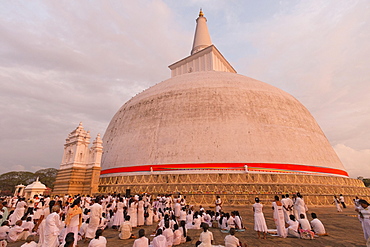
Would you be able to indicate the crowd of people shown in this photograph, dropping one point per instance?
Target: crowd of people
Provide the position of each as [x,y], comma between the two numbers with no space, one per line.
[63,221]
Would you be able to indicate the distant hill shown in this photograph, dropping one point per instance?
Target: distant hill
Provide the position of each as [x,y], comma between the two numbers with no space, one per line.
[9,180]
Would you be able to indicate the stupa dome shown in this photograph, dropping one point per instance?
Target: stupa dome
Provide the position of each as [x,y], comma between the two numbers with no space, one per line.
[214,120]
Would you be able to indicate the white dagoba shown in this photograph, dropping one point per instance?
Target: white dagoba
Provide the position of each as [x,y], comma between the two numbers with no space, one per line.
[36,188]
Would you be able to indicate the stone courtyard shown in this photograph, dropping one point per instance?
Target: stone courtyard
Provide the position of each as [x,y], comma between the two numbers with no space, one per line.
[343,228]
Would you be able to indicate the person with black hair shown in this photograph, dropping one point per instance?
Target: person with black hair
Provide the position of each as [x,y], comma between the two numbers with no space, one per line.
[176,235]
[365,217]
[69,240]
[205,238]
[184,232]
[18,213]
[74,219]
[168,233]
[231,240]
[30,242]
[218,204]
[304,223]
[140,212]
[317,226]
[96,211]
[277,206]
[159,240]
[39,210]
[259,218]
[292,227]
[118,216]
[99,240]
[126,229]
[142,241]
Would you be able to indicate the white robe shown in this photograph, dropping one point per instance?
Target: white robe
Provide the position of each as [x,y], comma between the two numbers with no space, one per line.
[95,217]
[141,242]
[18,212]
[52,230]
[159,241]
[100,242]
[279,220]
[132,211]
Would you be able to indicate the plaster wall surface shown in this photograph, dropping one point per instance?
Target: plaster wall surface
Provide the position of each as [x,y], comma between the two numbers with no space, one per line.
[217,117]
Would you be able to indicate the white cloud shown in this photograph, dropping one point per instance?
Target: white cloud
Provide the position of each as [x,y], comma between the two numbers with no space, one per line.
[357,162]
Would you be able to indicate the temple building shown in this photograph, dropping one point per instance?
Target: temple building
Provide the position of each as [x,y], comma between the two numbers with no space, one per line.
[80,168]
[209,131]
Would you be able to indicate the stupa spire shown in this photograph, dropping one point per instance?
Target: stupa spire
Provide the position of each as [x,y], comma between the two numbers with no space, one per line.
[202,39]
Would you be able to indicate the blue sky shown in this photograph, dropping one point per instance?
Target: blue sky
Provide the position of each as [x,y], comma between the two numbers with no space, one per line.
[62,62]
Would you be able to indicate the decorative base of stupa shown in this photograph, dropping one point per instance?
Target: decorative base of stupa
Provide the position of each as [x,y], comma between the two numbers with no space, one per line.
[76,180]
[237,188]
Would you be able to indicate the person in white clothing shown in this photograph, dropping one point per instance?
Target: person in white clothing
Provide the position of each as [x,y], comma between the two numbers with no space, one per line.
[341,199]
[52,228]
[365,218]
[177,235]
[96,211]
[337,204]
[277,206]
[206,237]
[99,240]
[142,241]
[74,219]
[305,224]
[168,233]
[259,219]
[231,240]
[17,232]
[317,226]
[159,240]
[293,226]
[30,242]
[126,229]
[18,212]
[218,204]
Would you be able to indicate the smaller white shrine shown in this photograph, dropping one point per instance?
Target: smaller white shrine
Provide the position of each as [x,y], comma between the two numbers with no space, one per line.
[36,188]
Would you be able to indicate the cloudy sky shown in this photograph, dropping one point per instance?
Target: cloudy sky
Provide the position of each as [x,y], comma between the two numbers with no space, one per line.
[62,62]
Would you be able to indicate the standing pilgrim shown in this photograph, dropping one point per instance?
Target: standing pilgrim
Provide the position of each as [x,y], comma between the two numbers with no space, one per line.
[74,219]
[140,212]
[300,206]
[119,216]
[218,203]
[277,206]
[337,204]
[341,199]
[132,211]
[52,228]
[96,211]
[259,219]
[365,218]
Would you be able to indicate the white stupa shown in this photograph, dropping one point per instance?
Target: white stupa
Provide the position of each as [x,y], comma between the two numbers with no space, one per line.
[36,188]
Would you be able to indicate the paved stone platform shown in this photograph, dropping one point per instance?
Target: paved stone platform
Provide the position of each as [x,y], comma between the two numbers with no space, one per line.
[344,230]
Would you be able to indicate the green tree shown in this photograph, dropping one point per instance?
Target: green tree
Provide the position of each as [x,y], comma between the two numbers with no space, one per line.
[366,181]
[47,176]
[9,180]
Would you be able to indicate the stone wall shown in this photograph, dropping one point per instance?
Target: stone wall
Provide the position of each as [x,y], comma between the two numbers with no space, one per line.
[237,189]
